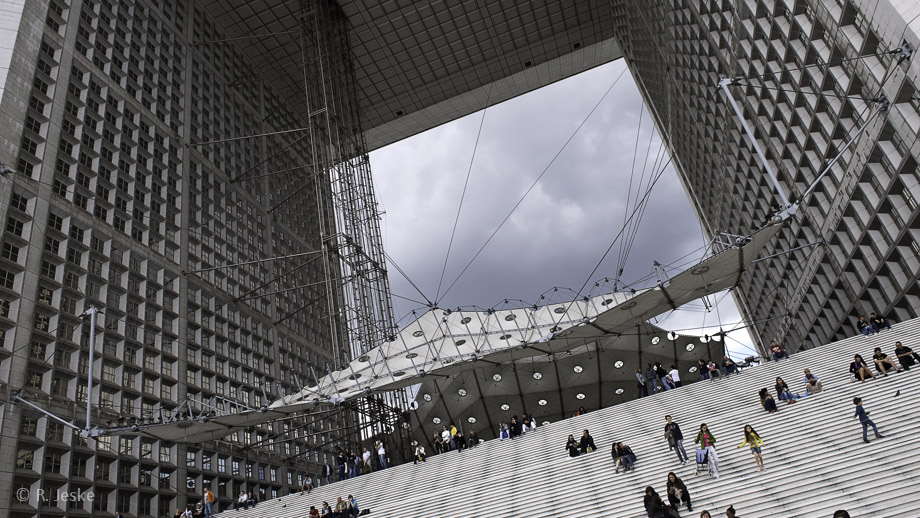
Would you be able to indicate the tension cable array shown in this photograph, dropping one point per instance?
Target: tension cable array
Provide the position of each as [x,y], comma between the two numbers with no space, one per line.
[532,185]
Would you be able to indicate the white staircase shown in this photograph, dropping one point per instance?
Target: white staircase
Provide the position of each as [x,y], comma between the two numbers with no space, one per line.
[815,459]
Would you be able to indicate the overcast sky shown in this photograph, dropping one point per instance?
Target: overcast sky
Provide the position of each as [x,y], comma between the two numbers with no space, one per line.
[562,228]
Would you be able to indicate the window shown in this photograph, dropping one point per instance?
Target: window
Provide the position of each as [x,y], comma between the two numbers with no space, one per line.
[28,426]
[164,454]
[45,295]
[221,464]
[165,480]
[14,226]
[77,467]
[10,252]
[190,459]
[24,459]
[55,431]
[124,445]
[7,279]
[42,322]
[53,463]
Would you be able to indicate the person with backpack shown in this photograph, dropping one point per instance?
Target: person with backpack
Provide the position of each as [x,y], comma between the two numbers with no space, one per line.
[707,442]
[652,377]
[752,439]
[419,454]
[675,439]
[677,492]
[662,374]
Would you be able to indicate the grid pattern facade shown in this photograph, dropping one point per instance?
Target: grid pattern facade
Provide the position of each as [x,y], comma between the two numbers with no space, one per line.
[808,70]
[110,205]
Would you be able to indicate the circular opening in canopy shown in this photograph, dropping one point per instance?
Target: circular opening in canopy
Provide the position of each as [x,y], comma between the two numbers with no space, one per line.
[559,310]
[691,347]
[509,318]
[471,419]
[460,341]
[618,364]
[580,396]
[619,391]
[537,375]
[411,355]
[542,402]
[418,333]
[426,397]
[436,420]
[692,369]
[465,320]
[462,392]
[496,377]
[577,369]
[655,340]
[506,407]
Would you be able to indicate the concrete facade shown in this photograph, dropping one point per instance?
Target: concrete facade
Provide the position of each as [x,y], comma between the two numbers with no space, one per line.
[112,205]
[808,71]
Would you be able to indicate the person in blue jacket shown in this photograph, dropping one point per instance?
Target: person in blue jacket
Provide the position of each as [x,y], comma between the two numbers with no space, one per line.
[864,420]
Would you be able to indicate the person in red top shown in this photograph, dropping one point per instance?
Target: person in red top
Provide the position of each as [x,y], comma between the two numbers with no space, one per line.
[778,351]
[314,513]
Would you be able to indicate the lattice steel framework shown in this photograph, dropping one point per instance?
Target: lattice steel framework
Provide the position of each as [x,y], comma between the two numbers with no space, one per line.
[357,289]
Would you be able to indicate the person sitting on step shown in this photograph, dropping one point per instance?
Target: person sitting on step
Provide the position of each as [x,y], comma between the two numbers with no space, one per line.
[515,427]
[907,357]
[714,370]
[767,401]
[812,383]
[654,507]
[864,327]
[473,438]
[703,370]
[623,456]
[782,390]
[572,446]
[728,366]
[859,368]
[778,351]
[878,322]
[314,512]
[503,432]
[883,363]
[586,445]
[677,492]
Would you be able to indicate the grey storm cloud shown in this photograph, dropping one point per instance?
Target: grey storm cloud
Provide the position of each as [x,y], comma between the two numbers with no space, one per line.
[561,229]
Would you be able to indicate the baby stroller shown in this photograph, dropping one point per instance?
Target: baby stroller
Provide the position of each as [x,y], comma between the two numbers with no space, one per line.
[702,463]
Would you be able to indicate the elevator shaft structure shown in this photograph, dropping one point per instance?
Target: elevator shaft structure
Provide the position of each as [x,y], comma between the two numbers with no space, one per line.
[360,313]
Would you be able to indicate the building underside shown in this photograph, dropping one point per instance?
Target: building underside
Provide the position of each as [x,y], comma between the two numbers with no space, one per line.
[155,142]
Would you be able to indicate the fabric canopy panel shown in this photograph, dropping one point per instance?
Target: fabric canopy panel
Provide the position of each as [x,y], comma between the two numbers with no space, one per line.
[443,343]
